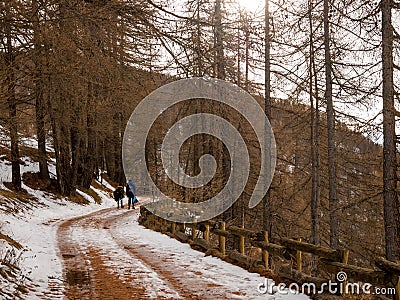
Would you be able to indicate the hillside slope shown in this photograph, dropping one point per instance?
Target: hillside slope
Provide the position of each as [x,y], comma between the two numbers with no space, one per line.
[52,248]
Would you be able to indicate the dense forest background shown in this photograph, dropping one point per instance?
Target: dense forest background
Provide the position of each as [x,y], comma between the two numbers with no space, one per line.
[326,73]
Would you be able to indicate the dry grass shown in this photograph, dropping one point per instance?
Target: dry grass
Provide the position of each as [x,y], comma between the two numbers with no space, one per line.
[9,195]
[101,187]
[13,202]
[10,241]
[106,177]
[21,195]
[77,198]
[34,181]
[4,151]
[91,193]
[24,151]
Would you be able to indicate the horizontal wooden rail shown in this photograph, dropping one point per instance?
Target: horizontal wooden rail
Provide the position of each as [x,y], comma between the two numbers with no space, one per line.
[240,231]
[244,260]
[333,261]
[274,249]
[335,255]
[202,243]
[374,277]
[288,272]
[220,232]
[388,266]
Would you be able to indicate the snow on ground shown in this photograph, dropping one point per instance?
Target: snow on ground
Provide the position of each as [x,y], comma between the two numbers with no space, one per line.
[36,231]
[5,169]
[4,139]
[26,141]
[210,269]
[120,262]
[107,185]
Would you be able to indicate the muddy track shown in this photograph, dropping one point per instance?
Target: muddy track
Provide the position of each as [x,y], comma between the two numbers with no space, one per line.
[85,272]
[99,262]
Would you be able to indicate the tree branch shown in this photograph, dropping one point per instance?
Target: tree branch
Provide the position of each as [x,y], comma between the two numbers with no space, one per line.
[176,15]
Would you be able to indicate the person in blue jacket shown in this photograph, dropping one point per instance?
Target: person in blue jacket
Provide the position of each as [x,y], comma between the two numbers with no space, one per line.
[131,194]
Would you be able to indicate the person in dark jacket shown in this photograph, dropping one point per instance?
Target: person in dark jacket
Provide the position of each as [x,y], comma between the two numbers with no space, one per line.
[131,194]
[119,195]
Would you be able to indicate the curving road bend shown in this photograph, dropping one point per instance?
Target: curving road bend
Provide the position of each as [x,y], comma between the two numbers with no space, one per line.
[97,267]
[108,255]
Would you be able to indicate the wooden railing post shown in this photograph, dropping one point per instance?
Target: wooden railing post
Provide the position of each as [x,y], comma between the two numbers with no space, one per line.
[194,230]
[222,239]
[207,233]
[345,260]
[345,257]
[299,259]
[241,244]
[173,227]
[265,254]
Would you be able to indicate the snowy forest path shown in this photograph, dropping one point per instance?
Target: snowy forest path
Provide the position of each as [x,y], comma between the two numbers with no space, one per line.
[108,255]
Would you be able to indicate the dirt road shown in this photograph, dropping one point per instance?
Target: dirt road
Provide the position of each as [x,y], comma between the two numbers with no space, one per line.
[106,256]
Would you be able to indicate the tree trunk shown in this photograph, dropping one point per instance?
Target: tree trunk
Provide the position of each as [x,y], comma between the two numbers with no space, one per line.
[60,122]
[314,133]
[219,46]
[390,197]
[64,164]
[12,102]
[90,158]
[62,153]
[16,172]
[39,100]
[41,133]
[108,148]
[247,53]
[76,145]
[219,62]
[199,57]
[114,142]
[267,215]
[333,201]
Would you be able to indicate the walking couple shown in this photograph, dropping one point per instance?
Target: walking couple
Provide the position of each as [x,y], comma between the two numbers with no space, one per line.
[130,193]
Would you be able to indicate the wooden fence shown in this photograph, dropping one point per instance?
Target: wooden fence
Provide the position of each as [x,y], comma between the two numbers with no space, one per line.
[288,251]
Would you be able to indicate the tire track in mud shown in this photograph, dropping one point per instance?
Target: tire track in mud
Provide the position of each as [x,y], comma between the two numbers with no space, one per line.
[101,262]
[96,268]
